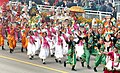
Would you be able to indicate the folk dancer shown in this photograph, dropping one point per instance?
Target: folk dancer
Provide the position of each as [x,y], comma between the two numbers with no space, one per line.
[71,59]
[59,47]
[11,39]
[113,65]
[44,51]
[24,40]
[88,44]
[1,39]
[31,48]
[100,58]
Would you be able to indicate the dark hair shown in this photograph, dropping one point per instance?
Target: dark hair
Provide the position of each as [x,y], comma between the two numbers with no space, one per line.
[22,3]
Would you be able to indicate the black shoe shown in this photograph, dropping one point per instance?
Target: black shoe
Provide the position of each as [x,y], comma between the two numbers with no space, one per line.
[30,58]
[22,49]
[42,59]
[7,43]
[11,50]
[44,63]
[88,67]
[3,48]
[56,60]
[52,55]
[60,62]
[82,63]
[64,63]
[26,49]
[95,70]
[80,58]
[37,54]
[74,70]
[77,59]
[103,69]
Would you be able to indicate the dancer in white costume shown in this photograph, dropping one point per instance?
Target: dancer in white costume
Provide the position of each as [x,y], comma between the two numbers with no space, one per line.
[65,45]
[58,47]
[79,47]
[37,43]
[49,35]
[44,51]
[113,65]
[51,43]
[31,45]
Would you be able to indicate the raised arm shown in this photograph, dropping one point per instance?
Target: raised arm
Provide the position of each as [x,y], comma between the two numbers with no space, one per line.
[78,38]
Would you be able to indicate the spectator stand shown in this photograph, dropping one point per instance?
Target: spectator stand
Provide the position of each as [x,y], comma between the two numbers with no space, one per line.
[87,14]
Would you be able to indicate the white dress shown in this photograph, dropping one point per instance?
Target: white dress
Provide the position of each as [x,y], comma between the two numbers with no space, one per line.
[51,43]
[79,49]
[31,48]
[44,51]
[37,43]
[58,48]
[65,46]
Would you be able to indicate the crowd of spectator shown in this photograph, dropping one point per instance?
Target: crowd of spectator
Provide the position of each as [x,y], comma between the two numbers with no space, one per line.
[101,5]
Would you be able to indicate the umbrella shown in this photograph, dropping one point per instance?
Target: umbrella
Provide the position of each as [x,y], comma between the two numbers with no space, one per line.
[77,9]
[2,1]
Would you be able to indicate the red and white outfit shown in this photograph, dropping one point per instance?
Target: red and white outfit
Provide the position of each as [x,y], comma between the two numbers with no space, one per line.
[65,45]
[50,41]
[31,46]
[113,65]
[59,47]
[44,51]
[37,43]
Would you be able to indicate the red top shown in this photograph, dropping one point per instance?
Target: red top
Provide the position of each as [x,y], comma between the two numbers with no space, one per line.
[111,54]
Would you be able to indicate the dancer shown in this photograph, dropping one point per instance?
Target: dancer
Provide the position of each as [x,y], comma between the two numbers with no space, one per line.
[79,48]
[87,50]
[31,48]
[1,39]
[11,39]
[37,43]
[71,59]
[44,51]
[113,65]
[100,58]
[24,41]
[59,47]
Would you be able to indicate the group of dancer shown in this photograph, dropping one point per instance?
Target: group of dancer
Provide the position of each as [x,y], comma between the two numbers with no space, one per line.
[63,39]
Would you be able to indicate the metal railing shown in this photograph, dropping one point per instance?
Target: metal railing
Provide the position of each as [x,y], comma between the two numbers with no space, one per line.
[87,14]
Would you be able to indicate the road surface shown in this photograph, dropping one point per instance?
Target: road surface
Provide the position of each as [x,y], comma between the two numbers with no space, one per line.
[19,63]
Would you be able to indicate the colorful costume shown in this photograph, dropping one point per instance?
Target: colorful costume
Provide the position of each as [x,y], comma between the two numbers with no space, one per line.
[59,48]
[113,65]
[71,59]
[1,40]
[88,49]
[11,40]
[24,41]
[44,51]
[31,48]
[100,58]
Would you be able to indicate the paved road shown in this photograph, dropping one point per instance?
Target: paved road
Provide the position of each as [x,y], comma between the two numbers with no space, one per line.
[19,63]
